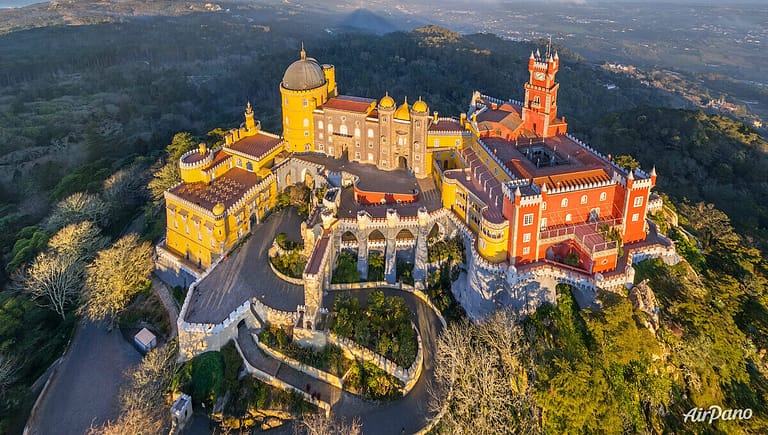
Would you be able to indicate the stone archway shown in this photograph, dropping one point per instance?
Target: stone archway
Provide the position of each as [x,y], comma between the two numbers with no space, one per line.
[349,237]
[402,162]
[307,179]
[405,235]
[376,236]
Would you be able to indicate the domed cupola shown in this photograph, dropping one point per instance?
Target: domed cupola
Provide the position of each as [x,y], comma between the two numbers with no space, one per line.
[420,106]
[303,74]
[387,102]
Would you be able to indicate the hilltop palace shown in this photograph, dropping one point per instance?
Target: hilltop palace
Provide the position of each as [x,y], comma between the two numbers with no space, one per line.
[505,176]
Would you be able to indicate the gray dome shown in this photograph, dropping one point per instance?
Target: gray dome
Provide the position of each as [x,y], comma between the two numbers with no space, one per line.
[303,74]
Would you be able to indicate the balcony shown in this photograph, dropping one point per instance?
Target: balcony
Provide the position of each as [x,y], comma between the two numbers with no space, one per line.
[587,235]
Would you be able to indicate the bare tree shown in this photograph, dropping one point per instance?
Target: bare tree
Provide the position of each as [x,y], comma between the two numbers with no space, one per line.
[135,421]
[480,376]
[142,401]
[150,380]
[8,369]
[116,275]
[319,424]
[80,241]
[126,187]
[53,282]
[76,208]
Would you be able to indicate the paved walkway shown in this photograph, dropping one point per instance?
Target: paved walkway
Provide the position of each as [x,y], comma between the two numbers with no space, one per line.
[85,389]
[164,293]
[410,413]
[286,373]
[246,274]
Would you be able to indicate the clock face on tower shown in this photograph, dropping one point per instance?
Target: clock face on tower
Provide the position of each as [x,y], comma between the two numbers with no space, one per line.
[538,75]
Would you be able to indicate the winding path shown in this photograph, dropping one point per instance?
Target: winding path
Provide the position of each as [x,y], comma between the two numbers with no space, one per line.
[407,415]
[246,274]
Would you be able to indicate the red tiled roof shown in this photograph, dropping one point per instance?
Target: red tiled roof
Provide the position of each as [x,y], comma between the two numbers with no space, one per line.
[256,146]
[195,157]
[317,254]
[219,157]
[445,125]
[506,116]
[582,163]
[349,104]
[227,189]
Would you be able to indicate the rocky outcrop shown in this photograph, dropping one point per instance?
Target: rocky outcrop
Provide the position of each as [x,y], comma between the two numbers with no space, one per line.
[643,299]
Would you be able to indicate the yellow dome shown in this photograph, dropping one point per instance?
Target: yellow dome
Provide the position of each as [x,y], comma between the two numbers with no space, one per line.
[403,112]
[387,102]
[420,106]
[218,209]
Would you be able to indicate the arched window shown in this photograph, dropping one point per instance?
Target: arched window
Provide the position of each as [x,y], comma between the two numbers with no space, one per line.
[343,129]
[583,199]
[249,166]
[370,133]
[564,203]
[357,132]
[306,122]
[603,195]
[320,124]
[330,128]
[568,217]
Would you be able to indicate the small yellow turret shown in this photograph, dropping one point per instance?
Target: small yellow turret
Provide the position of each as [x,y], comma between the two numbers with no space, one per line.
[218,209]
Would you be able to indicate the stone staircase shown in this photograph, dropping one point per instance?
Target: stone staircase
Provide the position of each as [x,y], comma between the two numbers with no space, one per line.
[390,262]
[420,267]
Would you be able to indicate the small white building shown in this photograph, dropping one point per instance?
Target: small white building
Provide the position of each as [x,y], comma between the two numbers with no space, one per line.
[145,339]
[181,413]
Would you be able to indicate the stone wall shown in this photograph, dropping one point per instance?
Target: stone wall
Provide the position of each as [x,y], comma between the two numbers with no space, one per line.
[286,278]
[408,376]
[272,316]
[197,338]
[298,365]
[277,383]
[171,270]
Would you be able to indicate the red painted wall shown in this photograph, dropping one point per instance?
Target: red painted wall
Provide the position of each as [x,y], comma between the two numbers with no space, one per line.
[371,198]
[555,214]
[635,230]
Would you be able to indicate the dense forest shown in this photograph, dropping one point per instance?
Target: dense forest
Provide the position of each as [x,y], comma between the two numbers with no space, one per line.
[98,99]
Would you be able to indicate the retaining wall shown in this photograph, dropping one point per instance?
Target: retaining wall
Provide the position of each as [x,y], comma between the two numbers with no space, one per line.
[277,383]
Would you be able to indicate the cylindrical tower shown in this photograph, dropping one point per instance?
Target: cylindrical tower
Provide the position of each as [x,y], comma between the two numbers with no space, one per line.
[305,86]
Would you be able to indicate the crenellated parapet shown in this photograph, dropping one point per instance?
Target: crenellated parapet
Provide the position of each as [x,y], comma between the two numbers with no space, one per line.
[250,193]
[197,158]
[496,159]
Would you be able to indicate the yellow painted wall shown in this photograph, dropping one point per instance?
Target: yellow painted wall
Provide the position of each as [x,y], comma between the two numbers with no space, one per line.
[294,112]
[197,242]
[491,248]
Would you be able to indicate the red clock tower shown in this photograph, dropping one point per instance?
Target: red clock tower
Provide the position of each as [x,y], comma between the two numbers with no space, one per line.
[540,104]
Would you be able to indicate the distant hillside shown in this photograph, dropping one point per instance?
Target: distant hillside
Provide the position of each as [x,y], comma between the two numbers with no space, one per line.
[699,157]
[363,20]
